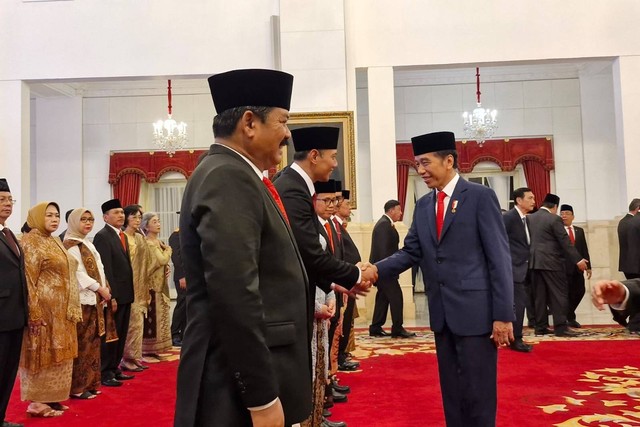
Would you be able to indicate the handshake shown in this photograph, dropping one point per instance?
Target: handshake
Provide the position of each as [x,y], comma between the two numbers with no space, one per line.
[369,275]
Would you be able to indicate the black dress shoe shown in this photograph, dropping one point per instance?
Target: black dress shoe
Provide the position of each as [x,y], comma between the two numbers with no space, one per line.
[567,333]
[327,423]
[519,345]
[177,342]
[112,382]
[10,424]
[326,413]
[344,389]
[403,334]
[378,333]
[338,397]
[545,331]
[574,324]
[124,377]
[348,366]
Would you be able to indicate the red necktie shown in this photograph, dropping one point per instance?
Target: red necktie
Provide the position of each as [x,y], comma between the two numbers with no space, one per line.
[337,224]
[123,241]
[12,242]
[440,212]
[572,237]
[327,227]
[276,196]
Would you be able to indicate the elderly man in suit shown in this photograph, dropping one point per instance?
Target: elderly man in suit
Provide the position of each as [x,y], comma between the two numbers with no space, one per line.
[246,349]
[515,222]
[575,277]
[459,240]
[629,261]
[551,249]
[384,243]
[13,303]
[111,242]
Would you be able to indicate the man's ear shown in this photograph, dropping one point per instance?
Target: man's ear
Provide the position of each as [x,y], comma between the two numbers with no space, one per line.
[247,122]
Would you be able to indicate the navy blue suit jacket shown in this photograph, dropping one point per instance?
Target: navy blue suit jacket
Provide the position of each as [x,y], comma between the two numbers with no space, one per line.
[467,273]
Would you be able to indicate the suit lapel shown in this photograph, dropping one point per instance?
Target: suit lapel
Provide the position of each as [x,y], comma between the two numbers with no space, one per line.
[457,200]
[6,243]
[430,207]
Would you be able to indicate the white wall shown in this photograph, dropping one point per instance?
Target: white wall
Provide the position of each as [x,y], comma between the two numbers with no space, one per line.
[95,38]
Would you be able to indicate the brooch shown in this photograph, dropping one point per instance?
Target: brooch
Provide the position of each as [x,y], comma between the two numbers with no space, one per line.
[454,205]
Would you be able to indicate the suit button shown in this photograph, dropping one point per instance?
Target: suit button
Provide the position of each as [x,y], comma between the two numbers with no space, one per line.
[439,260]
[441,284]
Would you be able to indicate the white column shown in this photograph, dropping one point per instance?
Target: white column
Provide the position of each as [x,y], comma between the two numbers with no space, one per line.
[15,146]
[59,176]
[626,92]
[382,137]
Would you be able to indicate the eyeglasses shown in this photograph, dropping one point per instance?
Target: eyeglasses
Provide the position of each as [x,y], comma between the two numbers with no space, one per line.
[4,200]
[328,201]
[87,220]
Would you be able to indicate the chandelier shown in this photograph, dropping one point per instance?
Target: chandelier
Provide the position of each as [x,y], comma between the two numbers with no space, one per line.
[481,123]
[169,135]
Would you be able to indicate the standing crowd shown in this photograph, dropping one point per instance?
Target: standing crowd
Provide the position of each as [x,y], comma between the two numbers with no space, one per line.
[82,312]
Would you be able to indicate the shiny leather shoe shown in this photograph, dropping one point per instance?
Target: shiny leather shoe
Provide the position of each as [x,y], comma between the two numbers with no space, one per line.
[338,397]
[344,389]
[519,345]
[568,333]
[112,382]
[348,366]
[574,324]
[545,331]
[378,333]
[10,424]
[177,342]
[124,377]
[326,413]
[327,423]
[403,334]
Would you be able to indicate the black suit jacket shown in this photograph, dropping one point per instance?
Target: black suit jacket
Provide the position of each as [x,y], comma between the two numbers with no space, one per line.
[13,288]
[384,243]
[321,266]
[629,240]
[518,245]
[550,244]
[351,252]
[117,264]
[581,247]
[246,340]
[176,256]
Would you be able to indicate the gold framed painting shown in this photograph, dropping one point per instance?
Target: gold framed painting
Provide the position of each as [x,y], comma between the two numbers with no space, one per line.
[346,170]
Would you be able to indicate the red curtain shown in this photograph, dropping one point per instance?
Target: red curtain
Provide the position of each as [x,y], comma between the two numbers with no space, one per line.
[402,169]
[127,189]
[538,179]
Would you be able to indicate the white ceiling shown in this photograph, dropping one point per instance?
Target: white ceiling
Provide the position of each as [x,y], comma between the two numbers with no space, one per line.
[403,76]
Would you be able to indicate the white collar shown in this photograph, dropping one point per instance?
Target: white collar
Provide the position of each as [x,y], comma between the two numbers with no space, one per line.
[451,186]
[519,211]
[322,220]
[337,217]
[390,220]
[117,230]
[307,179]
[254,167]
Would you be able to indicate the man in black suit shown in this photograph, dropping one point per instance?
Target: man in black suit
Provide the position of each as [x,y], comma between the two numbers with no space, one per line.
[13,303]
[352,256]
[515,222]
[111,242]
[575,277]
[384,243]
[246,350]
[179,319]
[550,249]
[315,158]
[629,261]
[623,297]
[66,218]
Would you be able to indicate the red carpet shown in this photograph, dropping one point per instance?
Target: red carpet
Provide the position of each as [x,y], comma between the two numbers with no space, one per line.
[593,381]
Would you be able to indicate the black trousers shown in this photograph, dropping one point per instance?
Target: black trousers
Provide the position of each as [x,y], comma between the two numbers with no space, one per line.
[468,371]
[111,353]
[389,295]
[550,288]
[519,300]
[10,346]
[347,324]
[179,319]
[576,292]
[530,301]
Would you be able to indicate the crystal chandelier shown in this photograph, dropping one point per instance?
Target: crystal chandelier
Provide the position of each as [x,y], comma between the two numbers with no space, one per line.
[169,135]
[481,123]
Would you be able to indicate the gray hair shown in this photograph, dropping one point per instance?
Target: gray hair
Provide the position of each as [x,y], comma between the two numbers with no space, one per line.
[145,221]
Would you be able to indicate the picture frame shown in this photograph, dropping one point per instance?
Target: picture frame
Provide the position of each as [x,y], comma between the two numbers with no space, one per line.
[346,170]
